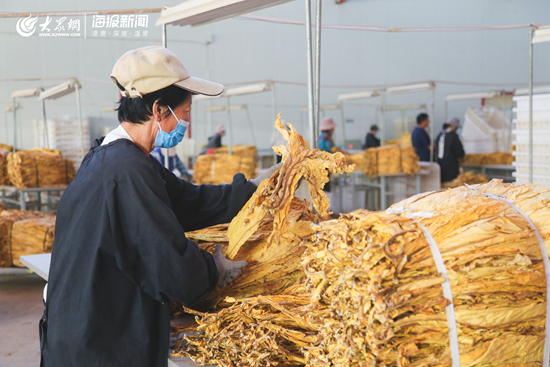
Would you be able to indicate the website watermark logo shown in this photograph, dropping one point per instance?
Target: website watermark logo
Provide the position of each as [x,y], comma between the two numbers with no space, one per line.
[61,27]
[113,26]
[26,26]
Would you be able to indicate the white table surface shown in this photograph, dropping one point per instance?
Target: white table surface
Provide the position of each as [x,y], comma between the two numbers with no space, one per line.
[40,263]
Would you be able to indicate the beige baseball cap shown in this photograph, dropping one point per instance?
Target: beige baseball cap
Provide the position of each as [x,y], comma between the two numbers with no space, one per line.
[149,69]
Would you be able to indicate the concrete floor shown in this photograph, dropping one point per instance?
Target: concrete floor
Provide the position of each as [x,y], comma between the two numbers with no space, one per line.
[20,310]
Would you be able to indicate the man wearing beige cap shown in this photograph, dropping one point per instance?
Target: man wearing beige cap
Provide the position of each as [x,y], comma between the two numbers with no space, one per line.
[120,253]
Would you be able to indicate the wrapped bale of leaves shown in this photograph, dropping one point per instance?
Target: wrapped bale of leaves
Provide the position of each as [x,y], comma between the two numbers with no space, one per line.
[448,278]
[7,219]
[220,168]
[469,178]
[32,236]
[453,277]
[39,168]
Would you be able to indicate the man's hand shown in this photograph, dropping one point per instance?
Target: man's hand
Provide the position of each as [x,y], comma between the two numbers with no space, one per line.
[228,269]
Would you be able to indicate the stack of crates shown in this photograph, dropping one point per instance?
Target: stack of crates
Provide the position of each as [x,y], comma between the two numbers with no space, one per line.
[64,135]
[486,130]
[541,139]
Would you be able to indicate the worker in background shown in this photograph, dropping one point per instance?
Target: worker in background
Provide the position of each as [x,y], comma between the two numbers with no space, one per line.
[174,162]
[325,139]
[215,141]
[120,254]
[421,139]
[327,144]
[371,141]
[448,150]
[444,127]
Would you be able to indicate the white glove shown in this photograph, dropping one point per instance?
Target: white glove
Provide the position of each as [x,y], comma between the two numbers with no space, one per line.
[267,174]
[228,269]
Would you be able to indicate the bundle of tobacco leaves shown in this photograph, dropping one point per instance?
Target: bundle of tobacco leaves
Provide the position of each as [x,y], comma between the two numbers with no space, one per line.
[7,220]
[269,233]
[3,146]
[405,140]
[409,160]
[271,268]
[375,295]
[390,160]
[357,159]
[263,330]
[274,196]
[469,178]
[270,229]
[30,236]
[240,150]
[220,168]
[39,168]
[485,159]
[4,178]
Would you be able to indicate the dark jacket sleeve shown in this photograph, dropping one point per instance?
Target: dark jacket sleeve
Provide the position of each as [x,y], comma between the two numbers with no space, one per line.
[425,138]
[150,244]
[198,207]
[457,147]
[372,141]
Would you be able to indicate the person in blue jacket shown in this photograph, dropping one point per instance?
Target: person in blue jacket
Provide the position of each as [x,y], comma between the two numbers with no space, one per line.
[421,139]
[120,254]
[326,143]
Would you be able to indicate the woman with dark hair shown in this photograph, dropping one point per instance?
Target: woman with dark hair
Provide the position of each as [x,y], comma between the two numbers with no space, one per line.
[120,253]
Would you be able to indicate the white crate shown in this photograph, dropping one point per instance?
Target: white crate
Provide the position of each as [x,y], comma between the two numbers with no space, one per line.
[537,179]
[538,115]
[485,130]
[540,102]
[538,158]
[537,125]
[537,148]
[539,136]
[538,169]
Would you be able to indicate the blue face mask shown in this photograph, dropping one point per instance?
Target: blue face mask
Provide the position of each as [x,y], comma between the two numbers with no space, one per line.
[165,140]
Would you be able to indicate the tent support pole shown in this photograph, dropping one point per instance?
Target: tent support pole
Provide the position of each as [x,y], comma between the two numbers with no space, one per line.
[77,90]
[313,137]
[14,125]
[531,31]
[383,120]
[343,125]
[46,137]
[317,99]
[432,126]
